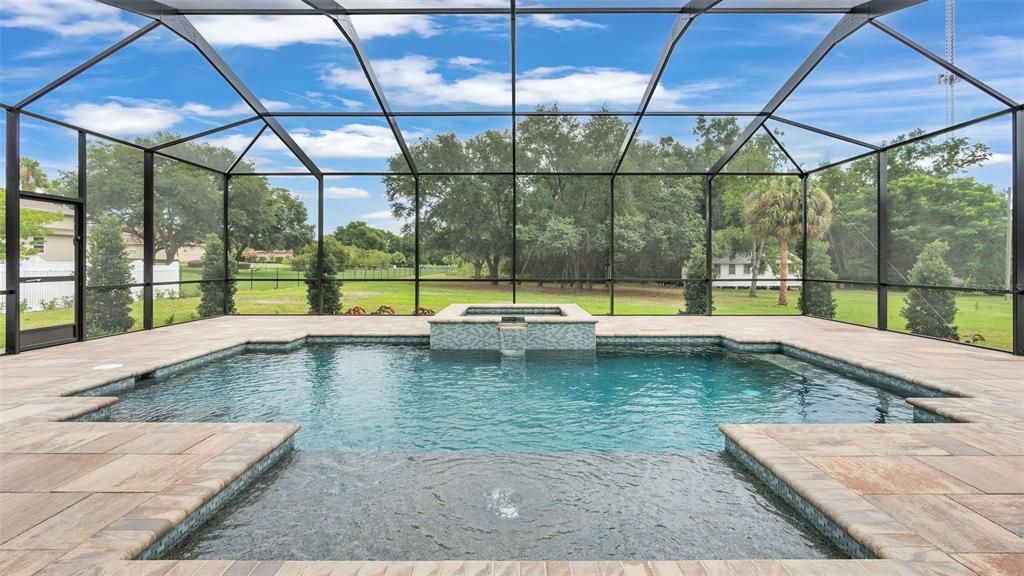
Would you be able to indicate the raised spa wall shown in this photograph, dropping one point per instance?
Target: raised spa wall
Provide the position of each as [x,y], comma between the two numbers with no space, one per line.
[536,327]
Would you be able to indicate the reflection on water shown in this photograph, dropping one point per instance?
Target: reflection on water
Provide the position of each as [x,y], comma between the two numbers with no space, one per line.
[429,506]
[406,398]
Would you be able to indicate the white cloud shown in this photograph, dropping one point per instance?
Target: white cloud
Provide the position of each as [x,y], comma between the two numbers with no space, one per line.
[999,159]
[276,31]
[415,81]
[379,215]
[467,62]
[266,31]
[345,192]
[350,141]
[117,119]
[369,26]
[562,23]
[205,111]
[68,18]
[240,109]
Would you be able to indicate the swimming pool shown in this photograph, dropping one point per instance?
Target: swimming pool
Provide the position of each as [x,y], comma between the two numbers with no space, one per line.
[408,453]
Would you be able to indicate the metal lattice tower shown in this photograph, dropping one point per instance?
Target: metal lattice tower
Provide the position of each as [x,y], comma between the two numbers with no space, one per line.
[947,79]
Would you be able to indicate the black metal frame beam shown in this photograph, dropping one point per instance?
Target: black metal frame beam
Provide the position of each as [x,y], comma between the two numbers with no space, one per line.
[181,26]
[12,223]
[683,21]
[513,25]
[789,157]
[782,7]
[205,133]
[348,30]
[1018,232]
[81,235]
[882,239]
[858,17]
[175,20]
[948,66]
[64,78]
[823,132]
[148,238]
[846,26]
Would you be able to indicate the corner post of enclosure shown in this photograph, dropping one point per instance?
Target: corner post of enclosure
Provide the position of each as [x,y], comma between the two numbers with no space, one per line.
[611,246]
[227,248]
[148,240]
[882,238]
[320,280]
[416,246]
[1018,232]
[81,238]
[804,250]
[13,226]
[708,252]
[515,168]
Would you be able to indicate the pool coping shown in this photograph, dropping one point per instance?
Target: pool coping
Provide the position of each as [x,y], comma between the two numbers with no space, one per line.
[980,404]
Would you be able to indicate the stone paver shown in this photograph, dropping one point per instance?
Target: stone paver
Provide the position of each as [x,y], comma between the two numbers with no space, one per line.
[85,498]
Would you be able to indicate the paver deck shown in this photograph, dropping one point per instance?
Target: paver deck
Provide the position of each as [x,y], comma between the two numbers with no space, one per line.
[87,497]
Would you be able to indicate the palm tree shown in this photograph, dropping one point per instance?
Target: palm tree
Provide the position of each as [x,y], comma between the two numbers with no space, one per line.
[777,211]
[33,179]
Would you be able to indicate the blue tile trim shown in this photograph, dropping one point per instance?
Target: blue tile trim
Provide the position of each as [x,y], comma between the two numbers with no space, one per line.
[111,389]
[101,415]
[209,508]
[922,416]
[816,517]
[877,379]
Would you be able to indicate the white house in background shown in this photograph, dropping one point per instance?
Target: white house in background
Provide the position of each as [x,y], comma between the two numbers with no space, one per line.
[735,272]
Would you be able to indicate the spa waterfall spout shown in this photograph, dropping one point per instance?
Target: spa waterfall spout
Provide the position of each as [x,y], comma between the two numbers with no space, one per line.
[512,336]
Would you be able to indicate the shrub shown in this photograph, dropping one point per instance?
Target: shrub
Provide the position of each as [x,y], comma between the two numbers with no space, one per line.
[425,312]
[695,291]
[334,263]
[355,311]
[216,297]
[384,311]
[816,298]
[931,312]
[108,311]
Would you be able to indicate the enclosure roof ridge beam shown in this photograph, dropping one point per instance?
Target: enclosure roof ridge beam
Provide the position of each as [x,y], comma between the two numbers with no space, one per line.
[246,150]
[878,8]
[205,133]
[689,12]
[348,30]
[69,126]
[783,148]
[846,26]
[858,17]
[184,28]
[948,66]
[186,161]
[212,7]
[66,77]
[824,132]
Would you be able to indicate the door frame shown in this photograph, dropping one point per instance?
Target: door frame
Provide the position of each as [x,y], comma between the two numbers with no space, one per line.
[33,338]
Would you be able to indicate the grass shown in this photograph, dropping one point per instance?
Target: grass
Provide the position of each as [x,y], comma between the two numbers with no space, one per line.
[988,315]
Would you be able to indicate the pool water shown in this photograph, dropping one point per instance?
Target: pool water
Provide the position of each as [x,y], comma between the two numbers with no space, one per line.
[409,454]
[412,399]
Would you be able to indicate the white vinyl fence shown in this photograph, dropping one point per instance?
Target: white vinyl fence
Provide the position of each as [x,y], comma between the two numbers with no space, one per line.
[54,295]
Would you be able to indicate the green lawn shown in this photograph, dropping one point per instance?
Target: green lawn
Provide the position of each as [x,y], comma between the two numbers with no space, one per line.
[987,315]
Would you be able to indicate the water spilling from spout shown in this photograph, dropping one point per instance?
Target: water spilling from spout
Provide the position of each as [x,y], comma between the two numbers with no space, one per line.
[512,336]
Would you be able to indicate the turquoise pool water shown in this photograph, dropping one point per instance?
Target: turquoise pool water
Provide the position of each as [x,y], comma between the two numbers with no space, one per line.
[408,454]
[408,398]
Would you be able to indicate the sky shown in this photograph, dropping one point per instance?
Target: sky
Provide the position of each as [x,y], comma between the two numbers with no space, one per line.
[869,87]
